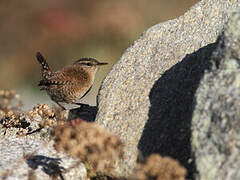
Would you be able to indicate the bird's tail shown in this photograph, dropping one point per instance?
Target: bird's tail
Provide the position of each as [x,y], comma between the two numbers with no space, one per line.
[46,71]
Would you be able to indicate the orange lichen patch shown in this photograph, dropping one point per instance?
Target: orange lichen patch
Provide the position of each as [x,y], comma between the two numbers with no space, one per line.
[11,114]
[11,119]
[90,143]
[159,168]
[42,110]
[46,114]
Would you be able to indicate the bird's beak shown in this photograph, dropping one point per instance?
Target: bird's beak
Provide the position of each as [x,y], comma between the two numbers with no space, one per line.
[100,64]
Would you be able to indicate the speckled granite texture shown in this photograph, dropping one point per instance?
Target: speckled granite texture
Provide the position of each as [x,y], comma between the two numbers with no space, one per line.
[147,97]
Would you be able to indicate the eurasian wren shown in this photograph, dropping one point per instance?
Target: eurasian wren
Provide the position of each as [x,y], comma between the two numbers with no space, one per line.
[70,83]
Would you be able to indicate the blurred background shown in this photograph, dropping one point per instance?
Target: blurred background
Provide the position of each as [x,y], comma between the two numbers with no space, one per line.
[65,30]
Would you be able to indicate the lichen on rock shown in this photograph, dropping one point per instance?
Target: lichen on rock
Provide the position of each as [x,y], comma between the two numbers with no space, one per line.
[216,118]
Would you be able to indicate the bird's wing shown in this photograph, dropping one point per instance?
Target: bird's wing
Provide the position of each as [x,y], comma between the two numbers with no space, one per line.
[53,81]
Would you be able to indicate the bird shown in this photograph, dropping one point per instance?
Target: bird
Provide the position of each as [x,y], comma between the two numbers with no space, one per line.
[71,83]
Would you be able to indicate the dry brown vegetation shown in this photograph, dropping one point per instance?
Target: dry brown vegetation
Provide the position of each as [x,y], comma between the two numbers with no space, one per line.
[96,147]
[90,143]
[159,168]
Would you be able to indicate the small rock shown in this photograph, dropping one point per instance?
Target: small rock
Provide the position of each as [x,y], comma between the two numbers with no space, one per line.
[20,156]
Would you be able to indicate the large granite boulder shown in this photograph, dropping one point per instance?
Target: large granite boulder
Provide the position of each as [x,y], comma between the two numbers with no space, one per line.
[216,117]
[147,97]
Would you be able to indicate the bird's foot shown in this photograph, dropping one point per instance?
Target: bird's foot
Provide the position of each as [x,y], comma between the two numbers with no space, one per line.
[82,105]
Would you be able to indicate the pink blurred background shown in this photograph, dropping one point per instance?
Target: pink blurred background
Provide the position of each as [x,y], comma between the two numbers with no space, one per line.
[65,30]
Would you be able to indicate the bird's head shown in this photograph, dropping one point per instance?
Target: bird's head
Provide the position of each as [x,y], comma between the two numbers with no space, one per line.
[89,64]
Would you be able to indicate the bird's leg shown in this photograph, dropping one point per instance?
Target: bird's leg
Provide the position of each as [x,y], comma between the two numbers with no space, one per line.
[82,105]
[63,108]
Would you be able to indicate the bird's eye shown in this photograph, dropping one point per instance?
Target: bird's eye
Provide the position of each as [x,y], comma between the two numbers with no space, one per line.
[89,64]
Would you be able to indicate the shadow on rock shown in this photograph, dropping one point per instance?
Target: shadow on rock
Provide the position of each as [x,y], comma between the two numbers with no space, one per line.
[168,129]
[49,165]
[85,112]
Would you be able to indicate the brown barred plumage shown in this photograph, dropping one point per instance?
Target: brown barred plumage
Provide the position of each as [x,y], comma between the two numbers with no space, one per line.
[71,83]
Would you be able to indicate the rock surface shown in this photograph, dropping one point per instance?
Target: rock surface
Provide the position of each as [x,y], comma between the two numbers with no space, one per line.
[147,97]
[216,118]
[40,159]
[26,153]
